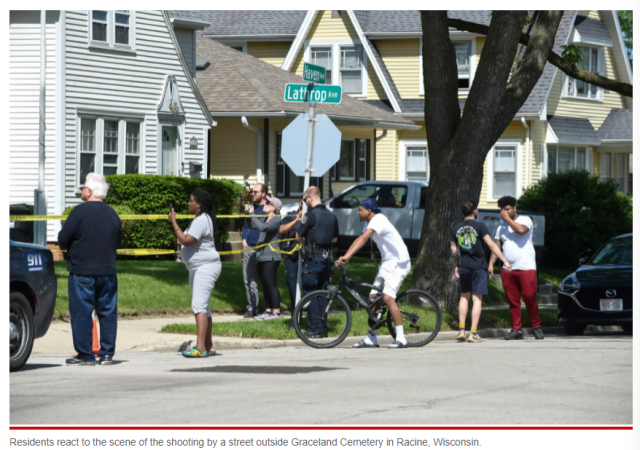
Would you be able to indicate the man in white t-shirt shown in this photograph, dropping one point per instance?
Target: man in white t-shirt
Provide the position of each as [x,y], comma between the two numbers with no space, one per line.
[514,237]
[395,265]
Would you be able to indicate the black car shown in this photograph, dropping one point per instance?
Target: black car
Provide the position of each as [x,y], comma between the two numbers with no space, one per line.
[33,289]
[600,292]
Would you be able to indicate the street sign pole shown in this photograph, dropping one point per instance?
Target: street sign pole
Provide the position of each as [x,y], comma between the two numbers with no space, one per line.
[307,180]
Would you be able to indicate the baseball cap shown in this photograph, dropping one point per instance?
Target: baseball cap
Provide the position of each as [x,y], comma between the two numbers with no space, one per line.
[275,202]
[371,204]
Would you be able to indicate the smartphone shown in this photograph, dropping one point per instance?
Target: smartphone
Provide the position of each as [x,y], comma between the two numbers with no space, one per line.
[170,206]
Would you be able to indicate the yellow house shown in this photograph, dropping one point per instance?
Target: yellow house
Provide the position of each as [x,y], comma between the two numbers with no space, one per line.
[376,57]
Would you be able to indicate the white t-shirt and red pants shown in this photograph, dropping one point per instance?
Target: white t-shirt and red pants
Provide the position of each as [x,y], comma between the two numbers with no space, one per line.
[523,278]
[396,263]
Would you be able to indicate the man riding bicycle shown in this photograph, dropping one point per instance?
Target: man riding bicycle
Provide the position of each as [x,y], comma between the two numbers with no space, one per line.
[395,265]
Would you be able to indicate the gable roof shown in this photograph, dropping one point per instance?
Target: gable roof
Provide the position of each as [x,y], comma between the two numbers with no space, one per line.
[245,23]
[618,126]
[573,130]
[408,21]
[237,84]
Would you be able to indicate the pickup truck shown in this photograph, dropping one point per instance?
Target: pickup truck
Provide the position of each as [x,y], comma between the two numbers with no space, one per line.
[403,204]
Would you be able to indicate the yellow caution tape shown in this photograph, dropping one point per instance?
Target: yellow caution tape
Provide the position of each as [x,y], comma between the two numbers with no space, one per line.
[156,251]
[141,217]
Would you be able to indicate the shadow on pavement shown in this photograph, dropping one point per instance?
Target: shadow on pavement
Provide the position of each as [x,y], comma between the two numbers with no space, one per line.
[38,366]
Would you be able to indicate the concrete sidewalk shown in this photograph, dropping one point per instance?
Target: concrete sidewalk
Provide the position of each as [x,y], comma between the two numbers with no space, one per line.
[144,335]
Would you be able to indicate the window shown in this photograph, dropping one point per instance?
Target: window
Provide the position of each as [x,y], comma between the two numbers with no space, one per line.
[354,161]
[605,166]
[114,29]
[386,195]
[463,58]
[109,146]
[132,164]
[351,69]
[563,158]
[417,163]
[504,171]
[87,148]
[345,64]
[321,56]
[288,184]
[592,61]
[620,172]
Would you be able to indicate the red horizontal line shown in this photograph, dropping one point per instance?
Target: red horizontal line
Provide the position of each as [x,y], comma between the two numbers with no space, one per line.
[265,428]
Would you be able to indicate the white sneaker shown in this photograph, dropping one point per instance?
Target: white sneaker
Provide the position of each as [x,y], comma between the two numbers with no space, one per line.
[264,316]
[397,344]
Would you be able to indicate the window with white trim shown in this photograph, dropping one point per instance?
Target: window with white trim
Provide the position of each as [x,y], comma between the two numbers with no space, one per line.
[417,163]
[504,170]
[620,171]
[112,28]
[605,166]
[592,61]
[345,64]
[564,158]
[463,59]
[109,146]
[613,166]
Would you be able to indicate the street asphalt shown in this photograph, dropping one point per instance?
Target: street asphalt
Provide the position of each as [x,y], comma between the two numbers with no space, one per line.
[559,380]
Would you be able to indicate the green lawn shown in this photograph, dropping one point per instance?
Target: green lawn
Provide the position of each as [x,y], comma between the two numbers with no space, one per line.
[161,288]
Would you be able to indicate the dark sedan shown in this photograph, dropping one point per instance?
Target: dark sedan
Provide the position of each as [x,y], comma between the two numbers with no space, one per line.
[33,289]
[600,292]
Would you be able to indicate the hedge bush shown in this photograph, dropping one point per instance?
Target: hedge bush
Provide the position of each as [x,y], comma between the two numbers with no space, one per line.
[581,213]
[151,194]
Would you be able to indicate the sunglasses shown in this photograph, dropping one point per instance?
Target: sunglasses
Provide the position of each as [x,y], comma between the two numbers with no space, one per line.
[304,199]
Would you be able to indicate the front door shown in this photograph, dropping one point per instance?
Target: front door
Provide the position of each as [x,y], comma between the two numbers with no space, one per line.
[169,150]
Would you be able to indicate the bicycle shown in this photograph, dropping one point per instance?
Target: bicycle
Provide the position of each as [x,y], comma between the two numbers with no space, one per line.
[419,310]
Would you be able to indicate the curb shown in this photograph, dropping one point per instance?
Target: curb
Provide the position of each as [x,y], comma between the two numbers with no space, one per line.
[240,343]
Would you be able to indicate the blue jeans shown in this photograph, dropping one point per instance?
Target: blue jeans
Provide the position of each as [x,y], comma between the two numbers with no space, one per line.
[291,274]
[316,276]
[86,293]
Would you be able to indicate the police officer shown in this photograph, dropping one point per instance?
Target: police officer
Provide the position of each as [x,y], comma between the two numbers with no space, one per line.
[289,228]
[319,228]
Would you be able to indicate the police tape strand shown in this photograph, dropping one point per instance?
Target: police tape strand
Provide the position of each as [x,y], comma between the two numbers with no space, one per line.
[143,217]
[157,251]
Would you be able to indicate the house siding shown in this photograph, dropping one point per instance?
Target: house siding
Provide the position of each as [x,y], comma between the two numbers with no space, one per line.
[130,84]
[402,58]
[387,156]
[273,53]
[24,106]
[538,137]
[234,150]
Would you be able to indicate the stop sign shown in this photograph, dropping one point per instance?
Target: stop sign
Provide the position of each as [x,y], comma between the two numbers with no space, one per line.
[326,145]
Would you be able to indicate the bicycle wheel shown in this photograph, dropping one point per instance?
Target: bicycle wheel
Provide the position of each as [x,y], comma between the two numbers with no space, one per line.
[421,317]
[322,321]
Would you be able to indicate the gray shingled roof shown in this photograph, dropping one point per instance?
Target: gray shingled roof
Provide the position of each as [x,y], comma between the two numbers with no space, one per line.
[618,126]
[593,29]
[237,83]
[245,22]
[573,129]
[408,21]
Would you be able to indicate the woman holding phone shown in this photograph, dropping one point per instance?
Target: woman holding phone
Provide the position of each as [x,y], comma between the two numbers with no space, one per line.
[268,259]
[203,262]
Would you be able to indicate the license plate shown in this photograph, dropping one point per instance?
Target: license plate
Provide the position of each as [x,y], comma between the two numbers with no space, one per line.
[611,304]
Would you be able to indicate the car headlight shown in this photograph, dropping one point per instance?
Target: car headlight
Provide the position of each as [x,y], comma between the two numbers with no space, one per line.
[570,285]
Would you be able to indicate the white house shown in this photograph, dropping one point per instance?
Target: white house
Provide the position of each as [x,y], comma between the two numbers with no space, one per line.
[120,98]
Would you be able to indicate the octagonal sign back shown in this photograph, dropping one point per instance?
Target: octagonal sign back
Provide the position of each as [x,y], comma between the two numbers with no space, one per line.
[326,145]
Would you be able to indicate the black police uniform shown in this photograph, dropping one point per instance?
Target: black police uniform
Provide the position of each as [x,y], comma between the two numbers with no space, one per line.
[291,261]
[319,226]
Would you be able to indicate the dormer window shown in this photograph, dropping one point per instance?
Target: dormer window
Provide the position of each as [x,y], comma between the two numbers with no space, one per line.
[463,58]
[112,29]
[345,64]
[592,61]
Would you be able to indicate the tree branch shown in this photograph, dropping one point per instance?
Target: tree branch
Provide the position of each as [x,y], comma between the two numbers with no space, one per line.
[555,59]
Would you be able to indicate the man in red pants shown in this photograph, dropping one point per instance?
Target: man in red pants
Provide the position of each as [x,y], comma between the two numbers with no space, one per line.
[514,239]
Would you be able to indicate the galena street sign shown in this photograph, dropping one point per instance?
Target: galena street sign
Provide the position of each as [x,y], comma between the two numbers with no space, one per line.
[313,73]
[309,93]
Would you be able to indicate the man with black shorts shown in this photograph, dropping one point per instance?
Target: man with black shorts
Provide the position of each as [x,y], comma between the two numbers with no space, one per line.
[469,236]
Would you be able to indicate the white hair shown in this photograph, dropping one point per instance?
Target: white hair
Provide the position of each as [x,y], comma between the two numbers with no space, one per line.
[98,184]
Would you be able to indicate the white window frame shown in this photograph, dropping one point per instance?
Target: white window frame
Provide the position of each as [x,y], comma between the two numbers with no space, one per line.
[99,141]
[472,63]
[336,45]
[359,147]
[566,79]
[404,143]
[613,171]
[588,156]
[111,32]
[490,174]
[333,175]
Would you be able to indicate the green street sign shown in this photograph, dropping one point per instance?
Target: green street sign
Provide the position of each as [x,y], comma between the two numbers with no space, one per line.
[315,74]
[309,93]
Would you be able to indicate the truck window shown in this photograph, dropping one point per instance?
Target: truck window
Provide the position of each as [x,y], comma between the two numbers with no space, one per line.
[423,198]
[387,196]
